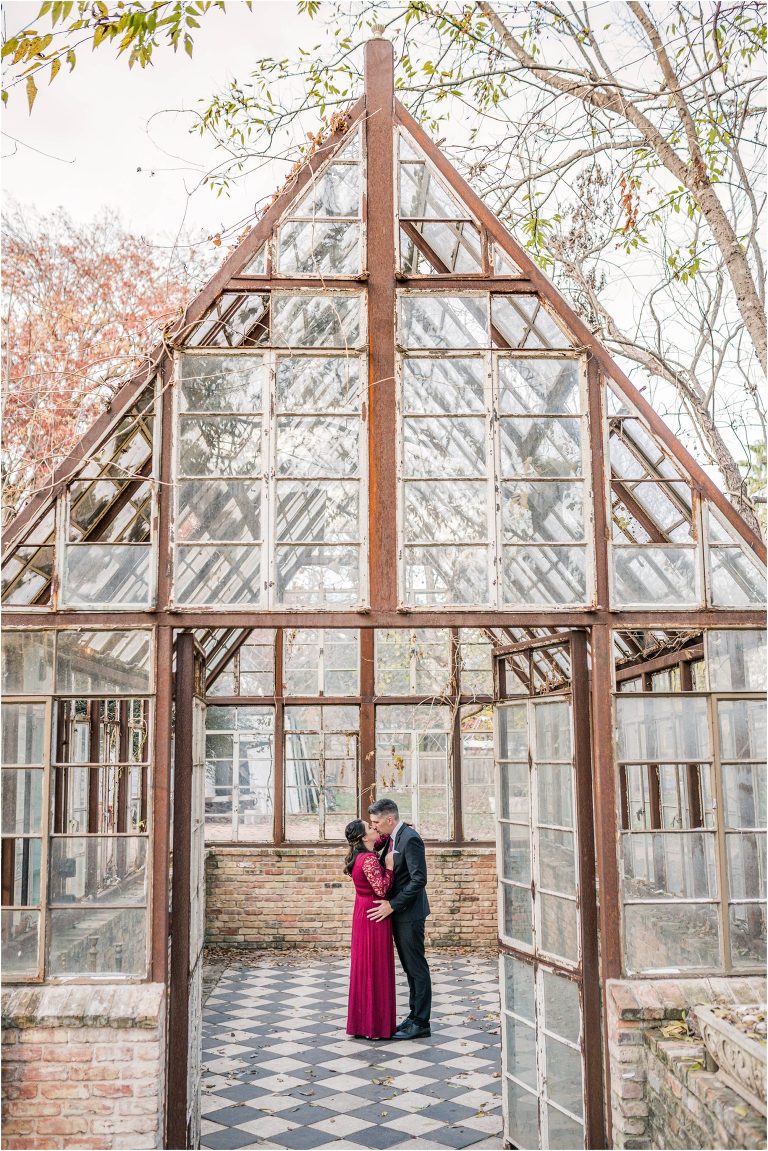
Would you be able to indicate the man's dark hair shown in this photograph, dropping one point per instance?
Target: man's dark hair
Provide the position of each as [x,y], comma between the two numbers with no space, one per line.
[384,807]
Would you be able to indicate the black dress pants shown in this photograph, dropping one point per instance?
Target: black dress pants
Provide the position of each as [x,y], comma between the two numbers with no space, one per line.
[409,941]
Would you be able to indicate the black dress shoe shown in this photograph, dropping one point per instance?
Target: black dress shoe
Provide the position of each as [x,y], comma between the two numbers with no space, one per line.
[412,1030]
[408,1019]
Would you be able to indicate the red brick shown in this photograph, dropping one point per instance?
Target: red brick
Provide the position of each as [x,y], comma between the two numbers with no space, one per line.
[112,1090]
[64,1091]
[62,1126]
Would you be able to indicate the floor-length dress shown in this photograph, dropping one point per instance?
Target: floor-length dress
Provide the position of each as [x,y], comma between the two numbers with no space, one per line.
[372,970]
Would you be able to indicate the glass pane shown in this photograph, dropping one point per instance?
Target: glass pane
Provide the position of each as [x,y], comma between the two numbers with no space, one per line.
[547,446]
[22,802]
[669,865]
[517,913]
[552,512]
[515,791]
[314,248]
[414,662]
[95,941]
[520,1050]
[666,937]
[742,727]
[218,510]
[558,927]
[324,511]
[235,320]
[555,793]
[20,932]
[107,574]
[562,1011]
[565,1134]
[748,934]
[744,794]
[439,248]
[422,195]
[515,852]
[21,872]
[221,383]
[23,733]
[443,321]
[518,987]
[522,1116]
[444,447]
[317,446]
[503,264]
[557,860]
[655,575]
[106,869]
[318,384]
[446,512]
[218,575]
[334,193]
[26,576]
[736,580]
[736,660]
[662,727]
[219,446]
[544,575]
[529,387]
[27,660]
[446,575]
[449,387]
[746,865]
[553,731]
[513,732]
[257,265]
[97,662]
[564,1081]
[522,322]
[306,321]
[317,575]
[475,662]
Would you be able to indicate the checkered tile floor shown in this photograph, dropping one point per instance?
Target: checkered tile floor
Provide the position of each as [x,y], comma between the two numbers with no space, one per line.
[279,1070]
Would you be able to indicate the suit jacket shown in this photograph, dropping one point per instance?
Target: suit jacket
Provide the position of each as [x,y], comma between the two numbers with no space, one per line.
[407,894]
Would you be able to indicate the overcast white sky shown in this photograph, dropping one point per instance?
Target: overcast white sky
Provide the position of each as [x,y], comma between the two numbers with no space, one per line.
[92,130]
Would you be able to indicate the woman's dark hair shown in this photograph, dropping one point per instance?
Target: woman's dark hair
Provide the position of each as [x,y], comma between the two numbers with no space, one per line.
[355,832]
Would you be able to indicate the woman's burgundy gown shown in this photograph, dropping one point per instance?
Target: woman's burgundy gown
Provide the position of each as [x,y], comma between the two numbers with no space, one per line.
[372,971]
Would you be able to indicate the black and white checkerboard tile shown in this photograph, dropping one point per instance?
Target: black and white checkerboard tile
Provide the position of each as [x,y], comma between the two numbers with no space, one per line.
[279,1070]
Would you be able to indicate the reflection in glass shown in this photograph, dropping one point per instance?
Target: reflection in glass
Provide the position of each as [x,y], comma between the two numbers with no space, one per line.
[446,575]
[27,662]
[530,386]
[22,732]
[20,940]
[671,936]
[520,1050]
[22,801]
[736,660]
[94,941]
[218,575]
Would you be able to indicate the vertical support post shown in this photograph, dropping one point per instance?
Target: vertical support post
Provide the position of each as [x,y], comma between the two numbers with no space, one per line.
[278,819]
[367,721]
[161,802]
[178,1010]
[600,476]
[457,828]
[382,424]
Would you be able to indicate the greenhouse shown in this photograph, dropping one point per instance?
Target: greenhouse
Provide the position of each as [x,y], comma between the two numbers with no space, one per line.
[382,516]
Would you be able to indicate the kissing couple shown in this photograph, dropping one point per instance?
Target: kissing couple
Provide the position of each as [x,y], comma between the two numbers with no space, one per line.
[387,864]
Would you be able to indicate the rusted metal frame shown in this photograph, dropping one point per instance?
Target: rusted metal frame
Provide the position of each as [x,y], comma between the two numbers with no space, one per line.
[178,1001]
[382,440]
[450,282]
[229,655]
[605,801]
[561,639]
[418,241]
[594,1117]
[684,657]
[456,748]
[367,741]
[268,284]
[598,464]
[581,332]
[278,814]
[161,802]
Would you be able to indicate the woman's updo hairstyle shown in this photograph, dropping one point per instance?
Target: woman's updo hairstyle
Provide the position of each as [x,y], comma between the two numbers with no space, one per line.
[355,833]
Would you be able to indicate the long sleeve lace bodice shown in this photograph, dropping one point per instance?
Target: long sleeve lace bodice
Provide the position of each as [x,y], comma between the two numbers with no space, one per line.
[379,878]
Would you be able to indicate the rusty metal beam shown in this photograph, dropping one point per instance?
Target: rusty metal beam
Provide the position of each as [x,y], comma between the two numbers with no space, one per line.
[161,803]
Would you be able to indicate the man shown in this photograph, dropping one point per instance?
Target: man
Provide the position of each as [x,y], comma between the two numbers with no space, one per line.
[408,904]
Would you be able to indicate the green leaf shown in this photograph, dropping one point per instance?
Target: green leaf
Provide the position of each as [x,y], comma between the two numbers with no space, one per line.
[31,92]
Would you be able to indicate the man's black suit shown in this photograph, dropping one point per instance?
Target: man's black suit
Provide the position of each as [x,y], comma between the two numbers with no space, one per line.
[410,905]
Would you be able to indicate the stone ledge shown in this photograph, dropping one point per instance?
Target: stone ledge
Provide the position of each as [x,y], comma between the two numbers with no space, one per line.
[645,1000]
[84,1005]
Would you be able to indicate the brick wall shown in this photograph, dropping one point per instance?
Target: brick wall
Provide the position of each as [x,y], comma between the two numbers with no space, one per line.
[83,1067]
[283,897]
[662,1093]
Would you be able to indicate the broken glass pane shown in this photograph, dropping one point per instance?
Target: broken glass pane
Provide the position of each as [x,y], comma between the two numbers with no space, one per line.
[221,383]
[317,576]
[655,575]
[443,321]
[220,445]
[97,662]
[541,447]
[317,446]
[549,512]
[314,321]
[110,869]
[20,931]
[523,322]
[96,941]
[218,510]
[318,384]
[107,574]
[537,386]
[334,193]
[316,248]
[445,447]
[324,511]
[442,575]
[545,575]
[218,575]
[452,512]
[235,320]
[451,387]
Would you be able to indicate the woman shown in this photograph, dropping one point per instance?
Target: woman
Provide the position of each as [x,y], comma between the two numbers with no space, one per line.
[371,1012]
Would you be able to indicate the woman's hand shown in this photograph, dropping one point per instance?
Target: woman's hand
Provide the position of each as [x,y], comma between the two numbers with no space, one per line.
[389,861]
